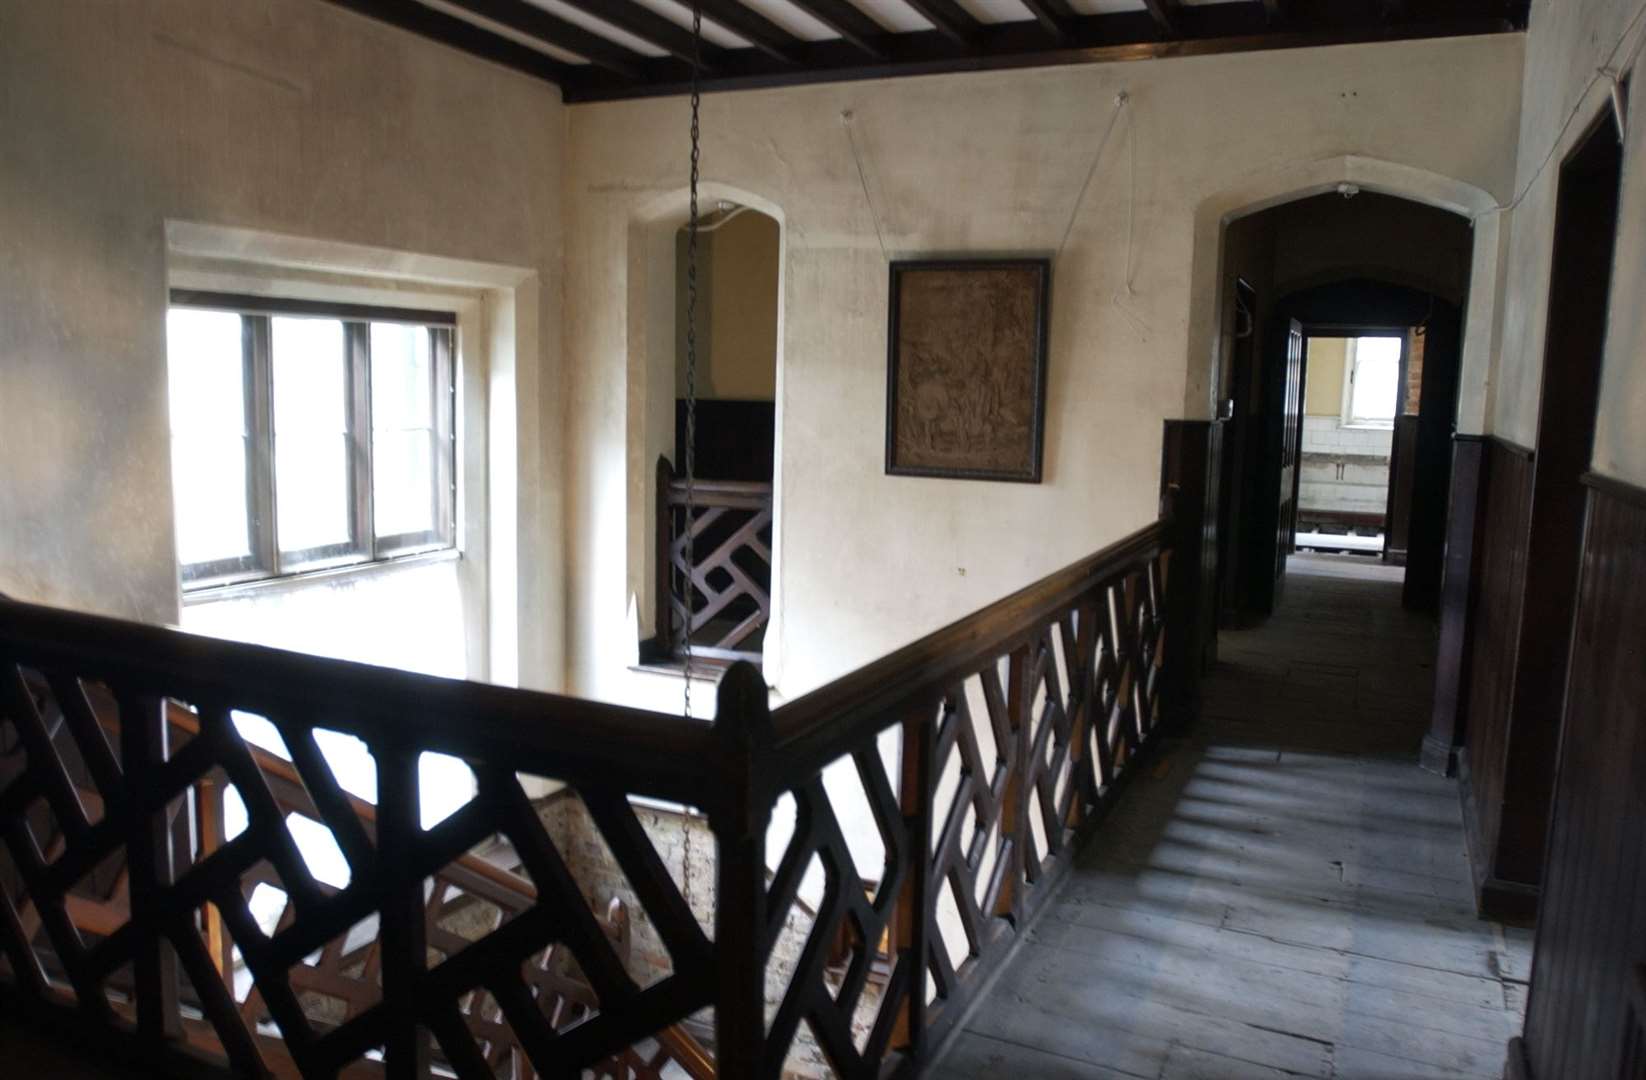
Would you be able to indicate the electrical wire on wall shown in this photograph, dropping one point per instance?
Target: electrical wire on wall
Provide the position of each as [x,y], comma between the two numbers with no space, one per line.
[1613,69]
[1122,99]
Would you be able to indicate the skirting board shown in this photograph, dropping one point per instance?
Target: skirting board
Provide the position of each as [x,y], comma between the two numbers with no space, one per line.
[1438,757]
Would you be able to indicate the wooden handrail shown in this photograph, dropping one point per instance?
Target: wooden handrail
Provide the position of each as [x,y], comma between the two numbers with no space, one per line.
[715,492]
[564,737]
[1045,700]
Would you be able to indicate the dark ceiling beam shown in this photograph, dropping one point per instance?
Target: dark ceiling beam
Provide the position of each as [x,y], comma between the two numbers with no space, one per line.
[1394,10]
[1106,38]
[461,35]
[538,24]
[647,25]
[846,20]
[754,28]
[1276,11]
[1053,15]
[1166,16]
[951,20]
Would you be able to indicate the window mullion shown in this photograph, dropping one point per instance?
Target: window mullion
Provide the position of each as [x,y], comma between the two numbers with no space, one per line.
[260,423]
[360,436]
[444,401]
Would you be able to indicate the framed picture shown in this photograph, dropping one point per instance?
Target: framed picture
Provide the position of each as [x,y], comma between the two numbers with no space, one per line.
[966,374]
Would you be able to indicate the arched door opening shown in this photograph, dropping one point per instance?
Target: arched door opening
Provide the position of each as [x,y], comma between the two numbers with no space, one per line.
[714,581]
[1339,391]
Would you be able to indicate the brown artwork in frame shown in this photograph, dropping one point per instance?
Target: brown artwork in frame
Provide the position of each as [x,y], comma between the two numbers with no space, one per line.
[966,371]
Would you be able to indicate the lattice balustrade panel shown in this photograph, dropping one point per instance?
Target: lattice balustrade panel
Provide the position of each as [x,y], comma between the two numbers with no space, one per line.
[216,878]
[722,565]
[1026,748]
[838,977]
[975,847]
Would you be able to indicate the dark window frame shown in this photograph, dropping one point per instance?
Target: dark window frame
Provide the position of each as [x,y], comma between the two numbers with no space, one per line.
[266,562]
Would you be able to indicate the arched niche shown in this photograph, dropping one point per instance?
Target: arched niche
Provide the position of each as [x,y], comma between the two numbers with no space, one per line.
[651,380]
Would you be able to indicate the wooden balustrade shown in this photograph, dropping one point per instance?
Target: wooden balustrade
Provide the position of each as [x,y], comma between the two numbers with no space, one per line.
[925,805]
[720,563]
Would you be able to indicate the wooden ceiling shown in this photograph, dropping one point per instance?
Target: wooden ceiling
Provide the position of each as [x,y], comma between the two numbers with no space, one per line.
[601,50]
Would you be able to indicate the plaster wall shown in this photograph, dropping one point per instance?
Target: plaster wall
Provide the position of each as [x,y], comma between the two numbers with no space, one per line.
[737,277]
[980,163]
[1573,49]
[287,117]
[1323,394]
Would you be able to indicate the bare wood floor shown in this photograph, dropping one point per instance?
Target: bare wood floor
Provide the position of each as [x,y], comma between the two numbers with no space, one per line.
[1286,895]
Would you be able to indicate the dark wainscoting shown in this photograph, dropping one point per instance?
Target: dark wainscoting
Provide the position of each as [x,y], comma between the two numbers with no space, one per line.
[1465,527]
[1191,461]
[1494,630]
[734,439]
[1585,1012]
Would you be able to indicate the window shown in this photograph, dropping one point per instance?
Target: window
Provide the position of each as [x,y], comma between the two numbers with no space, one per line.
[307,436]
[1371,393]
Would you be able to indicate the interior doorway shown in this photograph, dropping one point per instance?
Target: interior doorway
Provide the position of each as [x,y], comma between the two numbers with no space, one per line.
[1580,285]
[1367,292]
[715,540]
[1353,406]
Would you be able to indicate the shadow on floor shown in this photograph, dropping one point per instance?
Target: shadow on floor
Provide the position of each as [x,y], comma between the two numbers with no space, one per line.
[1287,895]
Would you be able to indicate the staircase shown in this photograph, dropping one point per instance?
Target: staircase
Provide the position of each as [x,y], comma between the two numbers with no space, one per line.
[161,895]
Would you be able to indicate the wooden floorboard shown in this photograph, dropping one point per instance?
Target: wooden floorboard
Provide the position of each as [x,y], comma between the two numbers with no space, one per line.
[1288,895]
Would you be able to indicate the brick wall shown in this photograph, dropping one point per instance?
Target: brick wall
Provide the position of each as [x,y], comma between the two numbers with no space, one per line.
[1414,372]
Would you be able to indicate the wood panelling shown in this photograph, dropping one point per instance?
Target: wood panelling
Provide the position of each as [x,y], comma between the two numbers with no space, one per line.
[1191,463]
[1465,531]
[1402,474]
[1432,459]
[1581,1019]
[1494,616]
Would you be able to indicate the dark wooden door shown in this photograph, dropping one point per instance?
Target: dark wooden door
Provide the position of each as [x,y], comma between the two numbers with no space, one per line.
[1239,450]
[1397,514]
[1432,458]
[1290,420]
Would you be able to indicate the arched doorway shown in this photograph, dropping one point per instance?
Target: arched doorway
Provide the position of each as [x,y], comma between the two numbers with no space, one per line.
[728,560]
[1345,266]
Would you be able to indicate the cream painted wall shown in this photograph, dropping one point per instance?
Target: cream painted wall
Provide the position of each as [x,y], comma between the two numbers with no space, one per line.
[737,282]
[744,364]
[968,163]
[1323,396]
[1564,90]
[285,116]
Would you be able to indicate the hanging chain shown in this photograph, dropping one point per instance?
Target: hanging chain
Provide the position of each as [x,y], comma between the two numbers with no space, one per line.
[691,353]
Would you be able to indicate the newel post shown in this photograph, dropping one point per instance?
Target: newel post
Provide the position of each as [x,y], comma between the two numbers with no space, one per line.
[743,726]
[1184,647]
[1189,469]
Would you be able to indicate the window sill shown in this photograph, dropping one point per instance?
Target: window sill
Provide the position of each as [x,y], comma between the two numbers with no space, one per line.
[269,586]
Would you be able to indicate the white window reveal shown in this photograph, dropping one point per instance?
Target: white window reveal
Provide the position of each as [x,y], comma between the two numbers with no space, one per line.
[1371,393]
[307,436]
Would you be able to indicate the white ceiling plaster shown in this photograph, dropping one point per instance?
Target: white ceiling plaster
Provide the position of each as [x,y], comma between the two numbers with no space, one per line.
[895,16]
[604,29]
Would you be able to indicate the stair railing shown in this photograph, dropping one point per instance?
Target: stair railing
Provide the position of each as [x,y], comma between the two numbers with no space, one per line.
[929,802]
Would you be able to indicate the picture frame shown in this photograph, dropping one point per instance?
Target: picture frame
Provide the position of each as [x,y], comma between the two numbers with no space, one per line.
[966,368]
